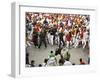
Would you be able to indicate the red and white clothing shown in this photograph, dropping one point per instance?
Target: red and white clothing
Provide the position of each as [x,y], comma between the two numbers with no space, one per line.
[68,40]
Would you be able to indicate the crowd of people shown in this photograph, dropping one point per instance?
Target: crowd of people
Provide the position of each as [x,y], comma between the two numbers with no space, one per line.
[64,30]
[60,29]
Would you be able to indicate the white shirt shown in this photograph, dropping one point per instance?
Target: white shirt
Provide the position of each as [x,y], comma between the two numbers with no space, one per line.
[63,51]
[69,23]
[66,31]
[66,63]
[44,65]
[51,62]
[58,58]
[85,36]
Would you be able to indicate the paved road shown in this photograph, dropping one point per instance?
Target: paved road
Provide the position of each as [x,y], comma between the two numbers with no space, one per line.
[40,54]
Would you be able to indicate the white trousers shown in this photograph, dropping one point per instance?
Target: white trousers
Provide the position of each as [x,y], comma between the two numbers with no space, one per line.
[84,43]
[76,43]
[51,39]
[68,43]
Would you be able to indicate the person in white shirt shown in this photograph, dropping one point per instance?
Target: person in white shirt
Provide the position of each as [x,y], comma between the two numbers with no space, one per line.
[51,39]
[77,40]
[85,39]
[48,37]
[57,39]
[74,40]
[64,51]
